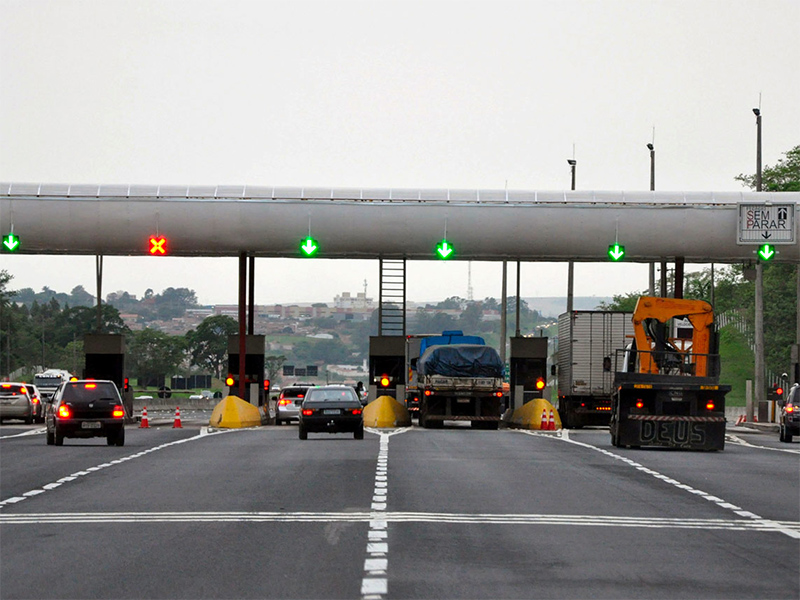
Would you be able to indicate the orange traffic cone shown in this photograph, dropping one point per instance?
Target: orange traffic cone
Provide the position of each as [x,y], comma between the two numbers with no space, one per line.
[551,423]
[176,424]
[543,424]
[144,424]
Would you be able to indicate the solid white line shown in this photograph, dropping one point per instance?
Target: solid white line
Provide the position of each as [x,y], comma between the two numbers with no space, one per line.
[739,441]
[24,434]
[90,470]
[789,530]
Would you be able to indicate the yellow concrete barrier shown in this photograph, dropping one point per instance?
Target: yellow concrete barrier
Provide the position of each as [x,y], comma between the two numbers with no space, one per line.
[233,412]
[529,415]
[386,412]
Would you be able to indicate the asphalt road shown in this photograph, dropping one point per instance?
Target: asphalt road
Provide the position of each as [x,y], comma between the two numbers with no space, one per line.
[409,513]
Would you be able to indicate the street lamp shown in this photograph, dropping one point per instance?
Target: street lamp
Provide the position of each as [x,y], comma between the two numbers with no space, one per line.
[571,265]
[758,378]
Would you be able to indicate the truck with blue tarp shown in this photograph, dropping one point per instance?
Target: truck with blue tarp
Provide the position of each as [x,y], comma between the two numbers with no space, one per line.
[454,377]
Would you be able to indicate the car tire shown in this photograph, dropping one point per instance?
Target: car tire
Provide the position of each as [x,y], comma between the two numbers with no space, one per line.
[120,437]
[51,439]
[29,420]
[359,433]
[303,433]
[58,438]
[277,421]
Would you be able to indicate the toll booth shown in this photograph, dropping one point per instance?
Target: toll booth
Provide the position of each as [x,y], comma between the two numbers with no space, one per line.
[528,370]
[105,359]
[387,367]
[253,368]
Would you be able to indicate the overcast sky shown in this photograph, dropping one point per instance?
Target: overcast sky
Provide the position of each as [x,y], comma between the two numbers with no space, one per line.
[386,94]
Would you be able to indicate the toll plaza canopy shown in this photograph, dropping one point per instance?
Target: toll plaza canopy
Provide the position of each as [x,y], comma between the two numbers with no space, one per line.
[386,223]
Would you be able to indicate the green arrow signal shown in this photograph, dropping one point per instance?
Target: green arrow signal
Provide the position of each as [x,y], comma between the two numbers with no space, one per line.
[444,249]
[309,246]
[616,252]
[766,251]
[10,242]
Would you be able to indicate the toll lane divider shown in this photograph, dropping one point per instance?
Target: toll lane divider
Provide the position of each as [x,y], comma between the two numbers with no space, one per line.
[790,530]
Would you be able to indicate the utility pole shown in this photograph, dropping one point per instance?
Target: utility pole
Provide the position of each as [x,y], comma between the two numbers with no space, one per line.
[571,265]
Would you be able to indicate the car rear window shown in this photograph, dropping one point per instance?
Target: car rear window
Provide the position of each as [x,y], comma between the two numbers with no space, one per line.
[88,391]
[294,392]
[13,388]
[332,395]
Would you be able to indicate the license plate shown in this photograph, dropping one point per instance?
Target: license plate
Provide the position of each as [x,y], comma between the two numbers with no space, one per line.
[91,425]
[463,400]
[331,411]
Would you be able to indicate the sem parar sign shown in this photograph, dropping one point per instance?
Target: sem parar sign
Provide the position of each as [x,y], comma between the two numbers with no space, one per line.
[773,223]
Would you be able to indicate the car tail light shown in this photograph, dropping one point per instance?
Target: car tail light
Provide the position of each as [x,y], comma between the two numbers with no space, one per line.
[499,394]
[284,402]
[23,390]
[790,408]
[356,411]
[35,400]
[90,386]
[118,412]
[64,412]
[710,405]
[307,412]
[6,385]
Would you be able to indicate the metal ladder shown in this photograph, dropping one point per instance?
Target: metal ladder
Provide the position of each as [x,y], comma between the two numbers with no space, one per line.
[392,300]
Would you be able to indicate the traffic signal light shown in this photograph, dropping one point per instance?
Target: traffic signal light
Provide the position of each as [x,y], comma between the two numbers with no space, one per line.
[445,250]
[616,252]
[385,381]
[540,383]
[230,381]
[766,252]
[158,245]
[10,242]
[309,246]
[775,393]
[266,385]
[126,385]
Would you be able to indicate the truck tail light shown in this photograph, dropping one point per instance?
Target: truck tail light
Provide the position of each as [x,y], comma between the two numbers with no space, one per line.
[64,412]
[427,392]
[710,405]
[639,404]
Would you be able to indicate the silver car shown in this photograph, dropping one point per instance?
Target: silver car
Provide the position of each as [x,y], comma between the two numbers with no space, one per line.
[289,401]
[16,402]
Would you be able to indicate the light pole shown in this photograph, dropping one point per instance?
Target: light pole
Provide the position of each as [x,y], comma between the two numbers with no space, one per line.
[571,265]
[652,279]
[758,379]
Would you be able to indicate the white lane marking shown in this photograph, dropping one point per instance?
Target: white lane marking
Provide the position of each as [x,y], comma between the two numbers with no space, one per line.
[90,470]
[789,531]
[24,433]
[375,582]
[378,521]
[735,439]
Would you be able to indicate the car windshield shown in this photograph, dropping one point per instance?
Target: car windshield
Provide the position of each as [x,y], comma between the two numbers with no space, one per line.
[332,395]
[86,391]
[47,380]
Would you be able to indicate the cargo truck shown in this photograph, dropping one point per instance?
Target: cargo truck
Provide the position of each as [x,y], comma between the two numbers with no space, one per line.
[48,381]
[666,390]
[588,341]
[457,377]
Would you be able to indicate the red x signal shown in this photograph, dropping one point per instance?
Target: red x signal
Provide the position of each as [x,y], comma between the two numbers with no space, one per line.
[158,245]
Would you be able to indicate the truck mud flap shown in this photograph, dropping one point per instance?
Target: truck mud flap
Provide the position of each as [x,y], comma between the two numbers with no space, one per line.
[687,433]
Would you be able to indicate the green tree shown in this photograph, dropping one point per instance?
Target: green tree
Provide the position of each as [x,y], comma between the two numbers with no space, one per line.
[155,353]
[782,177]
[273,365]
[208,344]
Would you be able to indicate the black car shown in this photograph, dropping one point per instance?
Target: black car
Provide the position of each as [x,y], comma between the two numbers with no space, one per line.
[790,415]
[331,409]
[86,408]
